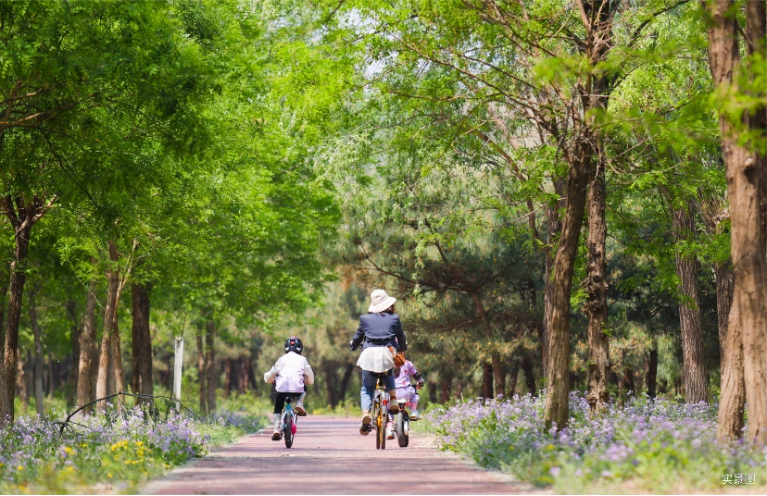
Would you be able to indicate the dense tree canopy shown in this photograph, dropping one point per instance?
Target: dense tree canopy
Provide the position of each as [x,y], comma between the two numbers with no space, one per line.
[567,190]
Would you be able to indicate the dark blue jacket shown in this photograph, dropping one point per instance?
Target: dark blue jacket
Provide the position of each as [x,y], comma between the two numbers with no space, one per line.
[379,329]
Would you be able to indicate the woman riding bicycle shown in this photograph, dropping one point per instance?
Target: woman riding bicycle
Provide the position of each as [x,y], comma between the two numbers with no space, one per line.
[380,335]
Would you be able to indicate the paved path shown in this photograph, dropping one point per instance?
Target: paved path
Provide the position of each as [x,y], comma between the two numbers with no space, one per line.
[330,457]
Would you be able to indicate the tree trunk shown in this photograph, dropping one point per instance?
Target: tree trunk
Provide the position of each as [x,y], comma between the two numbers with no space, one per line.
[513,379]
[201,371]
[87,345]
[596,295]
[693,365]
[527,367]
[445,385]
[495,358]
[3,299]
[23,229]
[21,381]
[745,172]
[330,380]
[552,234]
[117,354]
[651,378]
[597,18]
[142,335]
[210,365]
[628,378]
[39,357]
[74,340]
[487,380]
[556,407]
[106,349]
[733,388]
[499,374]
[345,381]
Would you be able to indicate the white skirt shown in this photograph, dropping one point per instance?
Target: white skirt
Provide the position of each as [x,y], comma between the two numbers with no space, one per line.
[376,359]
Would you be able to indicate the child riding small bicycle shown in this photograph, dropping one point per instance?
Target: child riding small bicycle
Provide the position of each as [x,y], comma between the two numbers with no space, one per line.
[291,372]
[405,391]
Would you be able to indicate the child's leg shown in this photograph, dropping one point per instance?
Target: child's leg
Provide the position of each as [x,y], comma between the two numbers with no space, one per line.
[414,401]
[300,404]
[279,403]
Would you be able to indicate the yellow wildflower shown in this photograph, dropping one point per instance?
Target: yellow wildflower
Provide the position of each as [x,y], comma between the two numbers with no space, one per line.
[20,467]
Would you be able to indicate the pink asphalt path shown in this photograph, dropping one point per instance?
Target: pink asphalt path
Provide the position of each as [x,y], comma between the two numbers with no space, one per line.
[329,456]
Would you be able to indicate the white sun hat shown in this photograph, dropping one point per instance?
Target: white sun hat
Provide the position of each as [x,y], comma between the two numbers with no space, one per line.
[380,301]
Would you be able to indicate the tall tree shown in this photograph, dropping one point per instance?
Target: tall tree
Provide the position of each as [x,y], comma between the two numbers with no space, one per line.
[742,133]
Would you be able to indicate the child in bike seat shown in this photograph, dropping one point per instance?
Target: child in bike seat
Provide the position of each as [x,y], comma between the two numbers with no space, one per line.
[405,391]
[291,373]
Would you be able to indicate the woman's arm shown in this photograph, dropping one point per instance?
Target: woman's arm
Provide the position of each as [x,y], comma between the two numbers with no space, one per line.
[358,338]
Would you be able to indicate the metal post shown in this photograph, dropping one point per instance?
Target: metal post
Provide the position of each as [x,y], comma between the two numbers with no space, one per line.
[179,359]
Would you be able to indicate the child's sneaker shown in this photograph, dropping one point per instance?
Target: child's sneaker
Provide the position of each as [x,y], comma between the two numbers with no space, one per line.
[414,415]
[389,432]
[277,422]
[300,410]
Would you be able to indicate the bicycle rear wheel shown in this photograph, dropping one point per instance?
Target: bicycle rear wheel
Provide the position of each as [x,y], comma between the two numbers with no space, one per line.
[403,437]
[378,420]
[381,422]
[288,431]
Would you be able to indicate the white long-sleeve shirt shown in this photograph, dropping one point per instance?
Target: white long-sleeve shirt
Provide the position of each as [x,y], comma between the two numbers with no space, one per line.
[290,373]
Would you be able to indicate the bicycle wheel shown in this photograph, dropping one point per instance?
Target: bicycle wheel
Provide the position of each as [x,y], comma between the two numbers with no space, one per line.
[376,411]
[381,422]
[288,431]
[399,427]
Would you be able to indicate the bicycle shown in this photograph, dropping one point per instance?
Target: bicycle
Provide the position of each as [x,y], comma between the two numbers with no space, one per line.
[402,421]
[288,422]
[380,412]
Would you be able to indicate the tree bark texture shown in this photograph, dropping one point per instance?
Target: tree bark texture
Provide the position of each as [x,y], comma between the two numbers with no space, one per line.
[142,340]
[556,407]
[87,346]
[210,365]
[596,295]
[693,364]
[22,215]
[733,388]
[106,339]
[745,173]
[39,357]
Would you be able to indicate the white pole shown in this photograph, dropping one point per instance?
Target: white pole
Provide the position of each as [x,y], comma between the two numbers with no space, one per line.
[177,371]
